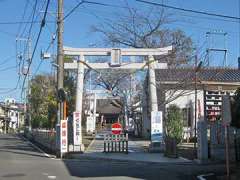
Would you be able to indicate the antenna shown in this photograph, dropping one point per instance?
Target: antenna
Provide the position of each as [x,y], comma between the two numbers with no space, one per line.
[213,37]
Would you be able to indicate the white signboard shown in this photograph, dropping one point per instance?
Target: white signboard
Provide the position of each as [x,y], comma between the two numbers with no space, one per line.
[64,136]
[156,126]
[77,129]
[90,124]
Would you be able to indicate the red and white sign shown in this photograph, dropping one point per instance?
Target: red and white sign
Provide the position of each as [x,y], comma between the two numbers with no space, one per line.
[64,136]
[116,128]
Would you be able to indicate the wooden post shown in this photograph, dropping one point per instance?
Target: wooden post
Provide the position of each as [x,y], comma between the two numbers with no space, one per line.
[64,110]
[227,151]
[119,143]
[111,143]
[108,141]
[127,143]
[115,141]
[104,143]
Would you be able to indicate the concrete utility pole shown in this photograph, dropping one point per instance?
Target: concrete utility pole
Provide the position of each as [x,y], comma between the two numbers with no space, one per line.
[197,69]
[23,71]
[60,60]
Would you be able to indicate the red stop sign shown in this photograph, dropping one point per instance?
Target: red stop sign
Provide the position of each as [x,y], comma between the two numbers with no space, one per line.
[116,128]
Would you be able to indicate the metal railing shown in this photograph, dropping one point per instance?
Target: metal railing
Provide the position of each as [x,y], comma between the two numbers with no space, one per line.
[116,143]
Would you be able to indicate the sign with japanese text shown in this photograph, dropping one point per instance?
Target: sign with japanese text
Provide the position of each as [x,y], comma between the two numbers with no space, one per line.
[90,124]
[77,128]
[156,126]
[64,136]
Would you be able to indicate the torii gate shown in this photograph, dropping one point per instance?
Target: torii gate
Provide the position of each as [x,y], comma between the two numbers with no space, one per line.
[115,54]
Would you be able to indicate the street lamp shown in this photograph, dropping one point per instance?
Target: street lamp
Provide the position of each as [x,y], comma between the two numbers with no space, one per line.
[197,69]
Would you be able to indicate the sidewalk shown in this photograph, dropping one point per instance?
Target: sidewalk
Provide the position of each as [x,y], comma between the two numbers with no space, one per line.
[135,156]
[137,152]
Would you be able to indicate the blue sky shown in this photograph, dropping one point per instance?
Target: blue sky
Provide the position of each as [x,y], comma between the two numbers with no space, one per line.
[77,31]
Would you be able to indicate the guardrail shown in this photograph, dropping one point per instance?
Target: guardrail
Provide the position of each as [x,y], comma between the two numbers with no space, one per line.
[116,143]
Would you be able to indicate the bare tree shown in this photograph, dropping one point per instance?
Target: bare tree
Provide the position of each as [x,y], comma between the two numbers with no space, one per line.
[140,28]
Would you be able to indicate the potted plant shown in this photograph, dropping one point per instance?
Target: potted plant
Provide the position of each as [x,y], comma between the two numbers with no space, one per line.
[173,130]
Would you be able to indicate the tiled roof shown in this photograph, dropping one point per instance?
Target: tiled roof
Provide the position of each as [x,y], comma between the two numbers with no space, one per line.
[206,74]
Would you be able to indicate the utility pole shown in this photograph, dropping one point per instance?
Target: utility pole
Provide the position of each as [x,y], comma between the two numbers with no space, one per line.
[195,109]
[26,57]
[197,68]
[60,60]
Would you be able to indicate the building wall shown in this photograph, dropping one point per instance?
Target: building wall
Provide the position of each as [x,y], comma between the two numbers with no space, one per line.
[185,99]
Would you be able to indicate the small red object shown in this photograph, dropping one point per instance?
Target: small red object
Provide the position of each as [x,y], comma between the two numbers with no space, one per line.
[116,128]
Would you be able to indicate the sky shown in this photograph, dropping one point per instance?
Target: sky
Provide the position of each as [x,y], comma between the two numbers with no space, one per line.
[77,31]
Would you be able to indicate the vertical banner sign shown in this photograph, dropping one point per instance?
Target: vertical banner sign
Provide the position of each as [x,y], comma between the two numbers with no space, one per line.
[64,136]
[156,126]
[77,129]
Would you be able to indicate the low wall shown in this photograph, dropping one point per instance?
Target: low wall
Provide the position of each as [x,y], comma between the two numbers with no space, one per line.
[45,138]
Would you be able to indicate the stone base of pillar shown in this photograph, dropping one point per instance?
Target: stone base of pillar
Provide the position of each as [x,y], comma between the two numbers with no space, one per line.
[157,147]
[79,148]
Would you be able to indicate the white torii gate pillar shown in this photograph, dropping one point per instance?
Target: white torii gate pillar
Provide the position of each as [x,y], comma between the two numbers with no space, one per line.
[77,126]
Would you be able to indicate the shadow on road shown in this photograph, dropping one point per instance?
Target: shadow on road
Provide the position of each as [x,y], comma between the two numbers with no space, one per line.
[92,168]
[23,153]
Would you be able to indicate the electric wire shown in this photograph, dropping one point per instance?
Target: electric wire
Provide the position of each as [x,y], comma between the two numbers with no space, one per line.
[43,22]
[6,60]
[189,10]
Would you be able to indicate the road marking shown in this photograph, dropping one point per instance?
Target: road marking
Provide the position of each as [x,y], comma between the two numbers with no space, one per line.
[52,177]
[202,177]
[40,150]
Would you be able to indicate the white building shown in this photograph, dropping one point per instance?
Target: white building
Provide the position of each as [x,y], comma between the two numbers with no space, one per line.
[13,111]
[177,86]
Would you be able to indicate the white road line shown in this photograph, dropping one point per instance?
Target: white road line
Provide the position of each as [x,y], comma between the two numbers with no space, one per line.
[40,150]
[201,177]
[52,177]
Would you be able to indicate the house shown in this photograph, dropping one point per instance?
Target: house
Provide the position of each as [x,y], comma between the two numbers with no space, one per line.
[178,85]
[11,114]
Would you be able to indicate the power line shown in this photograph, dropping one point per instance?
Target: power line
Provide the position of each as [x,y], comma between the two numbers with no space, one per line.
[72,10]
[6,60]
[189,10]
[43,22]
[8,68]
[13,89]
[53,39]
[23,22]
[23,16]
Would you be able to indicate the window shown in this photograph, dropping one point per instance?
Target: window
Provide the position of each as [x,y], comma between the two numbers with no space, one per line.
[187,118]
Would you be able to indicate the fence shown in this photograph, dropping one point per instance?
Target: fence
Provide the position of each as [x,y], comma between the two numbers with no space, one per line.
[45,138]
[116,143]
[237,145]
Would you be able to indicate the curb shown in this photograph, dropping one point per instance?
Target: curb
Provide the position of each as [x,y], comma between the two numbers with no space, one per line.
[80,156]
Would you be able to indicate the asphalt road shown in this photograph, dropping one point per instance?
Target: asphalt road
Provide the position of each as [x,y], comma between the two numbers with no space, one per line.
[19,160]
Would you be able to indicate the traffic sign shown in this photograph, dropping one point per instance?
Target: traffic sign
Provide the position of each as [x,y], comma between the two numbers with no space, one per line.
[116,128]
